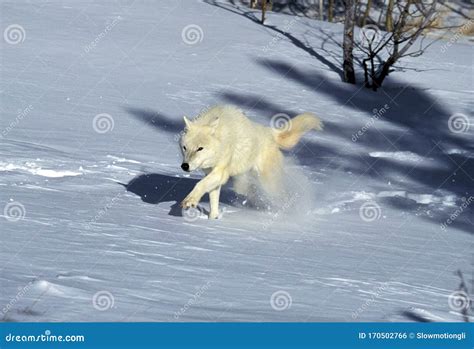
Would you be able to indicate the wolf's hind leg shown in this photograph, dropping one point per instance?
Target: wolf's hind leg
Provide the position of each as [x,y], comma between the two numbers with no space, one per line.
[214,202]
[242,184]
[271,173]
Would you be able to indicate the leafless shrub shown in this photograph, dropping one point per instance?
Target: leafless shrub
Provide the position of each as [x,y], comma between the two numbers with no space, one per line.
[380,50]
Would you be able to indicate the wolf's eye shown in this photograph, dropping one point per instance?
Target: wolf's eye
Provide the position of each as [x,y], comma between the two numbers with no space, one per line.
[184,148]
[200,148]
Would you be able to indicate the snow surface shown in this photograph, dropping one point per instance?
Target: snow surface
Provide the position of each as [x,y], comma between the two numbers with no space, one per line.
[91,229]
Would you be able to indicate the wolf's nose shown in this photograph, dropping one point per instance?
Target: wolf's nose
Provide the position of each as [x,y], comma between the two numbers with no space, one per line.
[185,166]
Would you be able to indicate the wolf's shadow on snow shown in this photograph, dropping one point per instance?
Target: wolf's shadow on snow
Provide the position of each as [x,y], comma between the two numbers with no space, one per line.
[155,188]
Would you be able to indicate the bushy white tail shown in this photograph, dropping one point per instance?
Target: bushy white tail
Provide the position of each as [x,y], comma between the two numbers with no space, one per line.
[289,136]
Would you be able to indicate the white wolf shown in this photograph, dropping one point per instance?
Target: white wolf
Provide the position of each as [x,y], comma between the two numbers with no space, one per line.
[224,143]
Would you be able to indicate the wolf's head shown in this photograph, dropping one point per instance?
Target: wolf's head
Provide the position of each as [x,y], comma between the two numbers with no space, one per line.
[199,145]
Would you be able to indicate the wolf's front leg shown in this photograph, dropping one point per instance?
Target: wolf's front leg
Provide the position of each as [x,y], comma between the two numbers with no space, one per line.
[214,179]
[214,202]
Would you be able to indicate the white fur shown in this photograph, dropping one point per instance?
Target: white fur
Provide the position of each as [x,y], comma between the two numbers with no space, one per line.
[234,146]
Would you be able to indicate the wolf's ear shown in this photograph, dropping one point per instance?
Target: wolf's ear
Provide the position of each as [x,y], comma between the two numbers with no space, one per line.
[187,122]
[214,122]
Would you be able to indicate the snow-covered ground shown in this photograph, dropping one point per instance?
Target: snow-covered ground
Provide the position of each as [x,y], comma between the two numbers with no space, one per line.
[92,97]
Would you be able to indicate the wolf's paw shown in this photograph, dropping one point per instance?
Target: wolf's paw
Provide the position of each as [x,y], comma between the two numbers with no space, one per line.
[214,215]
[189,201]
